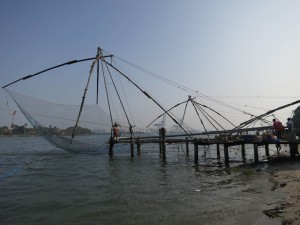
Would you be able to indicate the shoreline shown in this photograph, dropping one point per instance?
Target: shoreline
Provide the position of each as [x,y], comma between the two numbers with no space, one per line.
[285,175]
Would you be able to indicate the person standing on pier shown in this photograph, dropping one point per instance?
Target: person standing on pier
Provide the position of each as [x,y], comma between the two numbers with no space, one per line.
[116,131]
[278,128]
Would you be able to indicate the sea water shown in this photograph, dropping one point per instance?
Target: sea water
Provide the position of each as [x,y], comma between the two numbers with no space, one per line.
[41,184]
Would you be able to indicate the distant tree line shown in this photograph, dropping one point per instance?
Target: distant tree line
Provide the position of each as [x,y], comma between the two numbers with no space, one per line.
[23,130]
[15,130]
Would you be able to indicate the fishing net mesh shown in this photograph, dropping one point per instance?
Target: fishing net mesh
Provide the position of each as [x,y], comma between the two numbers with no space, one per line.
[55,123]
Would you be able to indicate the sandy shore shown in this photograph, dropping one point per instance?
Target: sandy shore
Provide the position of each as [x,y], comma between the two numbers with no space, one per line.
[285,175]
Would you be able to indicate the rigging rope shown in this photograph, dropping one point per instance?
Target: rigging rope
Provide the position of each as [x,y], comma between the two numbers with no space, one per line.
[145,93]
[84,95]
[207,115]
[107,97]
[130,125]
[214,112]
[165,112]
[182,87]
[200,118]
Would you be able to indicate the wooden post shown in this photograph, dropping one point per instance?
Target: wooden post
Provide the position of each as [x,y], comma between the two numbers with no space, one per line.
[293,149]
[195,151]
[267,150]
[226,155]
[218,152]
[187,145]
[243,153]
[138,146]
[160,143]
[163,137]
[255,153]
[111,146]
[132,148]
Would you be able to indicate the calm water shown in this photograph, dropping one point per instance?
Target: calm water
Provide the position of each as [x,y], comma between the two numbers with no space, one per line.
[40,184]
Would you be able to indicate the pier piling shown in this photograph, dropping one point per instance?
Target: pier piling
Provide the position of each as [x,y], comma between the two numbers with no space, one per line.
[255,147]
[267,150]
[195,151]
[293,149]
[187,145]
[243,153]
[160,142]
[163,145]
[226,155]
[218,152]
[138,146]
[131,147]
[111,146]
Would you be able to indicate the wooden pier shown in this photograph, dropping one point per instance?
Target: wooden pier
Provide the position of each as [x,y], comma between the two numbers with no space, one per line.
[162,140]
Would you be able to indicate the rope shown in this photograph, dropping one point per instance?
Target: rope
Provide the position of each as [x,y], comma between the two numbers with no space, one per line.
[84,95]
[208,115]
[215,112]
[130,125]
[107,97]
[182,87]
[167,111]
[126,100]
[145,93]
[199,117]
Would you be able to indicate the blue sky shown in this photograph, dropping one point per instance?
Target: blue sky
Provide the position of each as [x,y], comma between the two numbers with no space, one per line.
[239,52]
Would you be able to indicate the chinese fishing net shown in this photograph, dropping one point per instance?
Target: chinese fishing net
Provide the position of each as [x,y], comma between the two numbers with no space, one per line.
[55,123]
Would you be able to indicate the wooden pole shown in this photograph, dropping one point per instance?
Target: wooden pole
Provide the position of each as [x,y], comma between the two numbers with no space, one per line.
[293,149]
[226,155]
[163,137]
[111,146]
[138,146]
[267,150]
[131,147]
[218,152]
[255,153]
[243,153]
[160,143]
[187,145]
[195,151]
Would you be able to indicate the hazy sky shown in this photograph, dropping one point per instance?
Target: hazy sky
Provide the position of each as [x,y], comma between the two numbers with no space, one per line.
[244,53]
